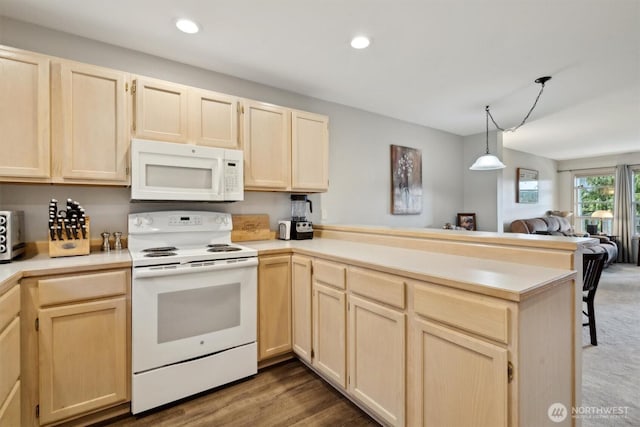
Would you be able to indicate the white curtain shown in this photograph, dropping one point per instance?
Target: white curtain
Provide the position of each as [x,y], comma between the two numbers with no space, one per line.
[623,220]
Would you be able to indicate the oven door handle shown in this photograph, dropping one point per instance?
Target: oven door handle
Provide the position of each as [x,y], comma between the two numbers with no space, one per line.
[195,267]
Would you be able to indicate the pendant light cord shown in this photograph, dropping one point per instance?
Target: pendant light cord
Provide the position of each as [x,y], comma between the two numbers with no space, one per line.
[486,109]
[542,81]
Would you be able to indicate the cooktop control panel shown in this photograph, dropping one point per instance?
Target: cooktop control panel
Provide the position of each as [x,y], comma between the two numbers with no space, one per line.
[185,220]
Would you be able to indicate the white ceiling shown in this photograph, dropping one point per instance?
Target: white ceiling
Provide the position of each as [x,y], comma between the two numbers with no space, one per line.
[431,62]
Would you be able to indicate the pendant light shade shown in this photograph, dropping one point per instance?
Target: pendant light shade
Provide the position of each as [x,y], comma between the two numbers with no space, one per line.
[488,161]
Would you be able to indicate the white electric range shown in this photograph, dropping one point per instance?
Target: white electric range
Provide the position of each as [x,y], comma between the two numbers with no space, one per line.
[193,308]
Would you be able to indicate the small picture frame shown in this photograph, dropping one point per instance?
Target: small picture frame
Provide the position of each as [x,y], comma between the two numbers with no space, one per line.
[466,221]
[527,191]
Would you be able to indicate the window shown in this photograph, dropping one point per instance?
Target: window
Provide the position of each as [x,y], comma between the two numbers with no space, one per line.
[636,200]
[594,193]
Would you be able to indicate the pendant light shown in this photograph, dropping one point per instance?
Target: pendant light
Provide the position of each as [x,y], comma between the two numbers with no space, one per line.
[488,161]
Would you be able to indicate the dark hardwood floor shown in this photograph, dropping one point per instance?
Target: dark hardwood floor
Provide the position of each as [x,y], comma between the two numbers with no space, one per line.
[287,394]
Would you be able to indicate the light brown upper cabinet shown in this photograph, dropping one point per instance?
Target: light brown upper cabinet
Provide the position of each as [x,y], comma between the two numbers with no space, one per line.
[159,110]
[24,116]
[90,137]
[284,150]
[171,112]
[309,152]
[266,142]
[213,119]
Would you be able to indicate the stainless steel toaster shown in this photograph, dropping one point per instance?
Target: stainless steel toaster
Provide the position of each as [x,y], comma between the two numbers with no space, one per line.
[11,235]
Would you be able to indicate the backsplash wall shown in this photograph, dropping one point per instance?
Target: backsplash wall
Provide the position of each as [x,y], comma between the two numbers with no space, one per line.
[108,207]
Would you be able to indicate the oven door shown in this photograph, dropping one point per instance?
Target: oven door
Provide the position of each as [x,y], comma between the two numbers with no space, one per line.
[191,312]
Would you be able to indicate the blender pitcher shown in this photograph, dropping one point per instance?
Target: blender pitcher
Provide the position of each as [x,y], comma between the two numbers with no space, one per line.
[299,207]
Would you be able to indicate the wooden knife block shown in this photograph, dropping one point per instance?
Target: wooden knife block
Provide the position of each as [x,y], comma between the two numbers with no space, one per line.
[70,247]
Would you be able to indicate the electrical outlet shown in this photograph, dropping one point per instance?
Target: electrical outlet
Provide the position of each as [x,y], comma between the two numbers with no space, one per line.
[324,214]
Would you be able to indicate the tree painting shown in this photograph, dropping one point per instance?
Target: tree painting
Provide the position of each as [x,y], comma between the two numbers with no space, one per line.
[406,180]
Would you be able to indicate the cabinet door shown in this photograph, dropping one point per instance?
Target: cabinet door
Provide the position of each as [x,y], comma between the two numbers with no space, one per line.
[266,141]
[274,306]
[24,115]
[9,358]
[160,110]
[459,380]
[377,358]
[213,119]
[301,306]
[83,358]
[10,410]
[89,112]
[329,333]
[310,152]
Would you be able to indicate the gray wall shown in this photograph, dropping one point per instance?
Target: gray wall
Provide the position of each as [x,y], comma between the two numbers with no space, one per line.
[359,149]
[547,186]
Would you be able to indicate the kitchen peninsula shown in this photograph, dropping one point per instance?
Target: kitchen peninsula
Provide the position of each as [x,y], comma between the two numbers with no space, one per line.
[412,325]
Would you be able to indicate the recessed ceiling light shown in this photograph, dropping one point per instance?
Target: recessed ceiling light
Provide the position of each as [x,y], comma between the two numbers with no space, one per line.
[187,26]
[360,42]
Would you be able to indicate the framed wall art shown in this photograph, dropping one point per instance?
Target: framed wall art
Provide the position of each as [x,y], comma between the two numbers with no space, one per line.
[406,180]
[527,186]
[466,221]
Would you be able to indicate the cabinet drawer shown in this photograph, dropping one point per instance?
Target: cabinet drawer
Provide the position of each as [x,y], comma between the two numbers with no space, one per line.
[82,287]
[329,273]
[9,358]
[10,410]
[381,287]
[9,306]
[473,313]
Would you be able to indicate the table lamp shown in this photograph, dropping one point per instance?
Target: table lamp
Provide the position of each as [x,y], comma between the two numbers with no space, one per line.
[601,215]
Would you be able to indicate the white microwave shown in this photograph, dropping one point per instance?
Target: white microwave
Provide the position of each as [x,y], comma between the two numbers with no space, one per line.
[169,171]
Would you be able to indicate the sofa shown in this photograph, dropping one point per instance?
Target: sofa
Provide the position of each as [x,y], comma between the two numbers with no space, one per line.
[560,226]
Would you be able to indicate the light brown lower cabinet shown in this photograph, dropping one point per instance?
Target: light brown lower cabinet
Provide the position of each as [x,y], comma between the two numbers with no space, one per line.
[274,306]
[83,358]
[301,306]
[77,345]
[10,410]
[461,380]
[422,354]
[10,356]
[377,358]
[329,333]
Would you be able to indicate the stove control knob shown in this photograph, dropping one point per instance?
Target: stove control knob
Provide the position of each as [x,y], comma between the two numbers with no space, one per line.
[137,222]
[218,219]
[147,220]
[226,219]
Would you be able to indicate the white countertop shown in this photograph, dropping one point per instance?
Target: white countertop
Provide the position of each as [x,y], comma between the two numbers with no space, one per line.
[497,278]
[42,264]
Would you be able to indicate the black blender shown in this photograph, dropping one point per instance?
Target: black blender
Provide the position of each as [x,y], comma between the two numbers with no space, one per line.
[301,227]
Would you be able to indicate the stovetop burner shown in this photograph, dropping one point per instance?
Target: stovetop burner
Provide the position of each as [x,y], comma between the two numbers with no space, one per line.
[161,249]
[159,254]
[224,248]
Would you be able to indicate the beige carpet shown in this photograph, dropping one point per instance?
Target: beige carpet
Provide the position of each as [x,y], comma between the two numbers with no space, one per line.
[611,370]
